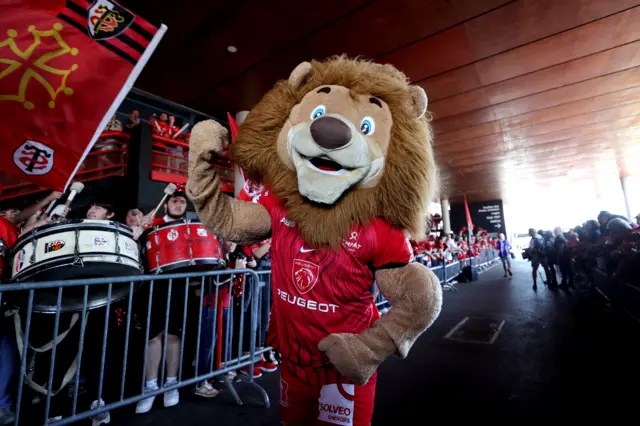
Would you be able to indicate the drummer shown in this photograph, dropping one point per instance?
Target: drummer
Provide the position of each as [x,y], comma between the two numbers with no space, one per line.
[175,209]
[138,221]
[98,210]
[18,217]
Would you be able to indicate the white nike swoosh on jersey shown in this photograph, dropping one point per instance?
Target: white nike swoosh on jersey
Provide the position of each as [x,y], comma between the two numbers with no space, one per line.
[304,250]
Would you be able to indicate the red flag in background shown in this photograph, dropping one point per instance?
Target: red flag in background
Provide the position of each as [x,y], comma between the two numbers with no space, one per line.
[64,70]
[235,127]
[469,222]
[466,210]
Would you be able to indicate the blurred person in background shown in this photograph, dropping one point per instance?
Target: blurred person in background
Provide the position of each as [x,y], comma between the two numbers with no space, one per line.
[591,232]
[504,251]
[538,256]
[563,260]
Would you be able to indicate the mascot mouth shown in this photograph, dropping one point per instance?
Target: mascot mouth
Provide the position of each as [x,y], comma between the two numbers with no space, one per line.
[324,175]
[325,165]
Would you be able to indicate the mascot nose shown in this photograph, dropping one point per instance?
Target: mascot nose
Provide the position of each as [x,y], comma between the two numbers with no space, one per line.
[330,132]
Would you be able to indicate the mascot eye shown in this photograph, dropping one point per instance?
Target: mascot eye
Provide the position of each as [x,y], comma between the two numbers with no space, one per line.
[367,126]
[318,112]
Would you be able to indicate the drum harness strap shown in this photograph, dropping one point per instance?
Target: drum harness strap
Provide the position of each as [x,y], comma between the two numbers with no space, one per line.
[47,347]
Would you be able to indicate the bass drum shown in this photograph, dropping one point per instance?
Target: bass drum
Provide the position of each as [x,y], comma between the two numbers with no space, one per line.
[181,246]
[76,249]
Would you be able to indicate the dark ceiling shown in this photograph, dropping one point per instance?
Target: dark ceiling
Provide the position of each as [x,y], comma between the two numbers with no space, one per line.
[523,91]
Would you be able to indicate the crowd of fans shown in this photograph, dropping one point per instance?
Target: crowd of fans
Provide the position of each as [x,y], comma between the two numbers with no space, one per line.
[446,249]
[215,348]
[609,244]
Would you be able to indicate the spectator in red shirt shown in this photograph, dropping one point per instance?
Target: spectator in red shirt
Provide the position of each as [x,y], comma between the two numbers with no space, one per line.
[8,353]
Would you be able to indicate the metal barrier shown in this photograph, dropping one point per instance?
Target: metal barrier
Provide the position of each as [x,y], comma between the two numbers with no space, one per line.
[448,273]
[114,382]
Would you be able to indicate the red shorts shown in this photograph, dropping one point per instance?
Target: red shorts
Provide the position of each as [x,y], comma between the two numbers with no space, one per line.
[337,402]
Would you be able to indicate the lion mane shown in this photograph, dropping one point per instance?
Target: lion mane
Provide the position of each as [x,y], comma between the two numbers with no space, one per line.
[409,174]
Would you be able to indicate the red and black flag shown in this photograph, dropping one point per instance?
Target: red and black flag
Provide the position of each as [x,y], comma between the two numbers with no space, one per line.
[65,67]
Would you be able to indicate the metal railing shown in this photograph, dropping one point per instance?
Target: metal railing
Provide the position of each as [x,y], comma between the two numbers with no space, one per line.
[447,273]
[114,332]
[170,162]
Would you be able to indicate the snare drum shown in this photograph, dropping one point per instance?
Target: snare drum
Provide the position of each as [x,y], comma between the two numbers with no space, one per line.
[184,245]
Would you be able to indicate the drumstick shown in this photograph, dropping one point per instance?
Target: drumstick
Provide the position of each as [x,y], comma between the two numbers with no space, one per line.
[182,129]
[135,212]
[76,188]
[168,191]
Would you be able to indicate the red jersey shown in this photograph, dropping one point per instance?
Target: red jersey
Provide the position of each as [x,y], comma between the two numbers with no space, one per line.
[162,220]
[317,292]
[8,235]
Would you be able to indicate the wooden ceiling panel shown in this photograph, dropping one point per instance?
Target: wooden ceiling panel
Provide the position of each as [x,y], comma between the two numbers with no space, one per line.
[583,106]
[506,28]
[523,92]
[370,32]
[245,21]
[543,158]
[584,131]
[606,62]
[574,122]
[589,39]
[583,90]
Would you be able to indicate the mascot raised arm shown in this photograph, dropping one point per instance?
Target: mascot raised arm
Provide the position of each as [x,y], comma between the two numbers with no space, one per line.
[344,149]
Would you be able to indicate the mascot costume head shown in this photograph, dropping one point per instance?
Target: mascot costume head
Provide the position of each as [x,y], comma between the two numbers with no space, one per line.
[343,148]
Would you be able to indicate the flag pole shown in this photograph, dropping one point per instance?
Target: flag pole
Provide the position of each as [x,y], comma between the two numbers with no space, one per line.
[121,95]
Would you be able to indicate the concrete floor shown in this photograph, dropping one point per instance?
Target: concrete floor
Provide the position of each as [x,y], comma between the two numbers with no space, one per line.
[559,356]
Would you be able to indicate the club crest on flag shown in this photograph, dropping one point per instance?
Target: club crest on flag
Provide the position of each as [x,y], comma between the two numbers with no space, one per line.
[34,158]
[107,19]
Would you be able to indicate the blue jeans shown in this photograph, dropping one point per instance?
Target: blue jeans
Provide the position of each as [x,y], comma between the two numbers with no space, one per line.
[208,337]
[8,368]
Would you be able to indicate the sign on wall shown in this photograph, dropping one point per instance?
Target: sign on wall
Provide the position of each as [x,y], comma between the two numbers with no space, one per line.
[489,215]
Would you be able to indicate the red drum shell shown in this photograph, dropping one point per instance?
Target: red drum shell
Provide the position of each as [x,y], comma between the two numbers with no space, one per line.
[184,245]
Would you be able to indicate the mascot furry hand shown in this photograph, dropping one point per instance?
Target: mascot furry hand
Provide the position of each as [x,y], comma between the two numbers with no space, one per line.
[344,147]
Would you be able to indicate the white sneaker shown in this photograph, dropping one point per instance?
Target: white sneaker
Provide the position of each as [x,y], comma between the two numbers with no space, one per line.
[145,405]
[102,418]
[205,390]
[271,357]
[171,398]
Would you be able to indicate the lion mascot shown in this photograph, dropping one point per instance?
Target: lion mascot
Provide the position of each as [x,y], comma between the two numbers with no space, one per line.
[344,148]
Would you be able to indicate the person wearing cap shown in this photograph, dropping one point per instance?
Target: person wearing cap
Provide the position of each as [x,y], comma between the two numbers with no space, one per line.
[175,208]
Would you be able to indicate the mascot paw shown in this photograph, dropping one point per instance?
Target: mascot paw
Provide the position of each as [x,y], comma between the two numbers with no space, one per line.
[208,139]
[351,357]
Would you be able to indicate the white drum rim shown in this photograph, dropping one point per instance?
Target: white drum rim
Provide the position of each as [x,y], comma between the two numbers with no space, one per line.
[71,225]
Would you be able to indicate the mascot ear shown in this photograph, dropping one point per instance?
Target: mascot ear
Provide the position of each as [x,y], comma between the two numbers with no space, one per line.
[419,100]
[299,74]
